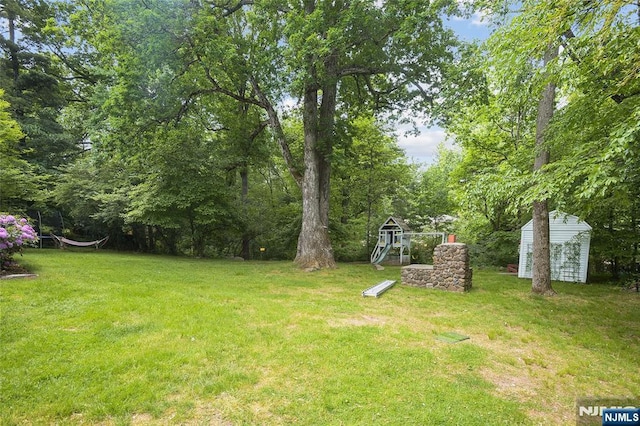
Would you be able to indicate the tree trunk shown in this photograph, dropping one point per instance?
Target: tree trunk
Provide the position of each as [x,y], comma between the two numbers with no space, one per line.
[612,237]
[314,245]
[633,267]
[246,235]
[541,268]
[13,50]
[541,272]
[326,130]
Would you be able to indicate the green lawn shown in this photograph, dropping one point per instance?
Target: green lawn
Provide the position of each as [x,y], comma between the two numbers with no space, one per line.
[112,338]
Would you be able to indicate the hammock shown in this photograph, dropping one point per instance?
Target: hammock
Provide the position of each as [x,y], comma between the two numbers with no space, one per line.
[64,241]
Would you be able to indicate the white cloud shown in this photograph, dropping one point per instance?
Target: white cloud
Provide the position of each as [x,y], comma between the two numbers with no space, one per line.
[423,148]
[480,19]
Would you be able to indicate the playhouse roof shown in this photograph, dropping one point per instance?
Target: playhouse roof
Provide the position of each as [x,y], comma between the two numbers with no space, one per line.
[559,220]
[394,222]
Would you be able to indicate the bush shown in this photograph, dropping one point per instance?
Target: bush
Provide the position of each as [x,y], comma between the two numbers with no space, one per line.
[14,235]
[496,249]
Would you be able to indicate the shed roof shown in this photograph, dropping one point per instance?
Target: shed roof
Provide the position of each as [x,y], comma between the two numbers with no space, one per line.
[560,220]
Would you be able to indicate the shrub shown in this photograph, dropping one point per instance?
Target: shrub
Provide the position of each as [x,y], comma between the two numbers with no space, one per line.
[14,235]
[496,249]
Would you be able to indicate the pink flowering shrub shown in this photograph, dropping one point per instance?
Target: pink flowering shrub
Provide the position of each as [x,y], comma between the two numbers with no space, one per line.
[14,235]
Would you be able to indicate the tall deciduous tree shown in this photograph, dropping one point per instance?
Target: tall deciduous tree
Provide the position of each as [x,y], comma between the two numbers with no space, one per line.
[541,267]
[495,126]
[583,139]
[321,53]
[317,53]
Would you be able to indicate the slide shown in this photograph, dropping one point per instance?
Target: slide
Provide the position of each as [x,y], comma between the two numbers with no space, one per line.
[378,289]
[382,255]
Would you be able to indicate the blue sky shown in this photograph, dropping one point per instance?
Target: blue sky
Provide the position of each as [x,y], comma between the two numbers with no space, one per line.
[423,147]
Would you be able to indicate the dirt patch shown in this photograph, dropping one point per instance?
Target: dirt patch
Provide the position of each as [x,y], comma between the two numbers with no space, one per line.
[202,413]
[526,384]
[512,383]
[526,371]
[141,419]
[207,416]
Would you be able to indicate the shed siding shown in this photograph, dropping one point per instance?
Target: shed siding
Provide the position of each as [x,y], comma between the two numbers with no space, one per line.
[570,241]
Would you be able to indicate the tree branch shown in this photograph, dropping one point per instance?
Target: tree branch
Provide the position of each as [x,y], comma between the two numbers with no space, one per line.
[216,85]
[564,41]
[258,130]
[359,71]
[229,8]
[276,127]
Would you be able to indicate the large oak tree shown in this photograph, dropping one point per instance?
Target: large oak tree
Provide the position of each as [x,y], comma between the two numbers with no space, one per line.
[317,54]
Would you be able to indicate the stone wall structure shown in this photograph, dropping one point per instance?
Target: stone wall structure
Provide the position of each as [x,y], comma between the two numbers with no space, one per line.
[450,270]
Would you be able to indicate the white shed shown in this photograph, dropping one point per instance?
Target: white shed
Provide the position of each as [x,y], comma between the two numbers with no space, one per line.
[570,239]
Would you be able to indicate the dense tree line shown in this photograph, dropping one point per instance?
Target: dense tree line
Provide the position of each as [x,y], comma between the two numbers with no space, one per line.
[188,143]
[265,129]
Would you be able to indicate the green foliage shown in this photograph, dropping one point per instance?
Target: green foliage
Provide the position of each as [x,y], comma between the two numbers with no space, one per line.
[32,79]
[19,184]
[495,127]
[430,200]
[370,171]
[593,134]
[173,97]
[171,161]
[615,237]
[10,132]
[498,248]
[216,73]
[599,115]
[94,194]
[350,239]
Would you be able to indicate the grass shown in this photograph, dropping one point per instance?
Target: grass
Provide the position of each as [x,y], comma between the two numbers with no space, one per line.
[112,338]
